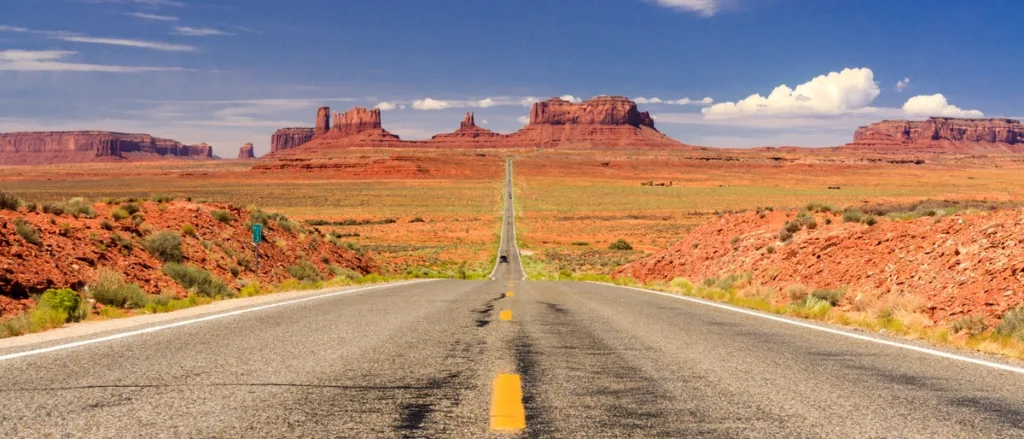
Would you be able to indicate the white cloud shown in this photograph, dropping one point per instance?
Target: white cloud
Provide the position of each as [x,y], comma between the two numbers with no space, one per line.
[430,104]
[523,120]
[386,106]
[936,105]
[484,103]
[837,93]
[50,61]
[683,101]
[153,17]
[198,31]
[704,8]
[483,122]
[572,99]
[903,84]
[150,3]
[167,47]
[528,101]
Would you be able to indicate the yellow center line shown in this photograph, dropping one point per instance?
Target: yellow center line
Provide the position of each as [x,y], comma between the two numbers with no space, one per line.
[506,314]
[507,411]
[510,294]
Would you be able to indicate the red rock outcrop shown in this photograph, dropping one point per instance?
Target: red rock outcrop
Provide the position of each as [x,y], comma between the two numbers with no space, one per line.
[246,153]
[942,134]
[469,134]
[289,138]
[83,146]
[323,121]
[355,121]
[601,122]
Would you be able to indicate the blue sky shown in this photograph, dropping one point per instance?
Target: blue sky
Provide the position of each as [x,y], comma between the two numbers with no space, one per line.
[229,72]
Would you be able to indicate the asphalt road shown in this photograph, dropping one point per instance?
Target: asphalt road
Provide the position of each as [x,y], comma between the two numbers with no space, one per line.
[420,360]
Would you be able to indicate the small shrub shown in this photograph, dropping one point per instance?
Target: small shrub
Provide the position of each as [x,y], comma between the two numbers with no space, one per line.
[870,220]
[120,214]
[66,301]
[620,245]
[798,293]
[188,229]
[417,220]
[234,270]
[27,232]
[106,225]
[31,207]
[198,280]
[43,318]
[138,219]
[131,208]
[852,216]
[244,260]
[125,244]
[65,229]
[828,221]
[682,285]
[305,271]
[287,225]
[165,246]
[792,227]
[1012,324]
[735,240]
[53,209]
[972,325]
[580,243]
[78,207]
[833,297]
[110,289]
[221,215]
[257,216]
[770,249]
[785,235]
[9,201]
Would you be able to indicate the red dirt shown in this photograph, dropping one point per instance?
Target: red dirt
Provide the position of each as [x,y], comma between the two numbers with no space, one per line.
[72,259]
[967,264]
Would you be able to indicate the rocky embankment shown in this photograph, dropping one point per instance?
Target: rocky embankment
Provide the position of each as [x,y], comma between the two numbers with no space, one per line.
[66,247]
[955,266]
[36,148]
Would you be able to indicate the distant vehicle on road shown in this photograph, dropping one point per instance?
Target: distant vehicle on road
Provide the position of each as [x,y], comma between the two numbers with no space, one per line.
[503,259]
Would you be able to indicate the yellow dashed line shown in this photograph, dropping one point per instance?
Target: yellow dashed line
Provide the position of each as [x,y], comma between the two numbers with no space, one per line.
[507,412]
[510,294]
[505,314]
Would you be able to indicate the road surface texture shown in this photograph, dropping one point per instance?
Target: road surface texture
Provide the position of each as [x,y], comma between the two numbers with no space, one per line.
[421,360]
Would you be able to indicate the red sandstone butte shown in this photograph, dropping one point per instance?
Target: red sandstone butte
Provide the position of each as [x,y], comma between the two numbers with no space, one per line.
[28,148]
[246,153]
[469,134]
[941,134]
[289,138]
[598,123]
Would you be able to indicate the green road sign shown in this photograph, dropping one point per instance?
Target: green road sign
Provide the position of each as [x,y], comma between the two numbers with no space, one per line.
[257,233]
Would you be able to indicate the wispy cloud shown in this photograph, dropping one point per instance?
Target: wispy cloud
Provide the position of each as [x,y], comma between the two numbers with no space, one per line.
[199,31]
[153,45]
[52,61]
[704,8]
[246,29]
[150,3]
[153,17]
[682,101]
[902,84]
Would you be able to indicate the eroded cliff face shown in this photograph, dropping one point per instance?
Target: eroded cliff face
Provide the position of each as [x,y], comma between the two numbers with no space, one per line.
[942,134]
[602,110]
[289,138]
[81,146]
[601,122]
[469,134]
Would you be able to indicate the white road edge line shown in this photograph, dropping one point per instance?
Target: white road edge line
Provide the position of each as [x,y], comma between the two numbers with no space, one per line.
[196,320]
[504,208]
[922,350]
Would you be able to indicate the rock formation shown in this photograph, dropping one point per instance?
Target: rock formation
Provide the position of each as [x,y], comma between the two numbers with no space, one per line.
[942,134]
[289,138]
[357,120]
[245,152]
[601,122]
[469,134]
[323,121]
[83,146]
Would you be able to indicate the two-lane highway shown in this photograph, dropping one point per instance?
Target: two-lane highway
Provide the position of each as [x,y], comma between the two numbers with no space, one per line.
[426,360]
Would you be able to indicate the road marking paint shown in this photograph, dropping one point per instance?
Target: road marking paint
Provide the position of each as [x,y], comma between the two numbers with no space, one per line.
[919,349]
[196,320]
[505,314]
[510,294]
[507,411]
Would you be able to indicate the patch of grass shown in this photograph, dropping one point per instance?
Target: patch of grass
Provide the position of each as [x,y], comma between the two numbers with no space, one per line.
[27,232]
[163,198]
[852,216]
[120,214]
[125,244]
[972,325]
[66,301]
[344,273]
[111,289]
[1012,324]
[580,243]
[131,208]
[165,246]
[188,229]
[305,271]
[197,280]
[832,297]
[78,207]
